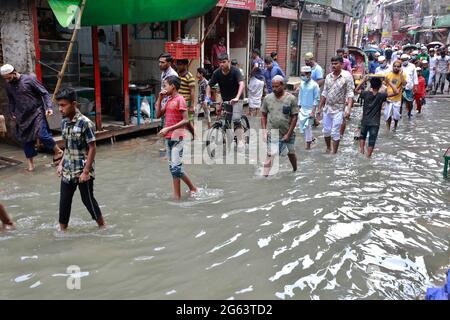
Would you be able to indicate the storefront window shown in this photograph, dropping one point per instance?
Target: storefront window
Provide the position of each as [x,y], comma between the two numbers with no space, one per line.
[293,49]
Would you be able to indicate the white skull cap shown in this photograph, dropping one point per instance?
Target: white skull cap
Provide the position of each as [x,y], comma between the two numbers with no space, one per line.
[278,78]
[6,69]
[404,57]
[306,69]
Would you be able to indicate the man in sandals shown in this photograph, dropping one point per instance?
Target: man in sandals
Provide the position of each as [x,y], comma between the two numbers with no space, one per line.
[29,104]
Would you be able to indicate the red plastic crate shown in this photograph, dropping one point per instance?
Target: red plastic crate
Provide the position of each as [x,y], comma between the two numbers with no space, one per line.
[183,51]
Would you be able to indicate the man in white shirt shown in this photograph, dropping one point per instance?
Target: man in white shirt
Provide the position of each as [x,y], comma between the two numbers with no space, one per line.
[412,80]
[432,65]
[337,103]
[442,69]
[383,68]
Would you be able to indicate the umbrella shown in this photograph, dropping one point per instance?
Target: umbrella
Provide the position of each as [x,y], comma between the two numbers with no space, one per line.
[410,47]
[435,44]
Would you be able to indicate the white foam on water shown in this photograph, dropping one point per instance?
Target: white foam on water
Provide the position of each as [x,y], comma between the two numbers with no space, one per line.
[227,242]
[143,258]
[28,257]
[249,289]
[200,234]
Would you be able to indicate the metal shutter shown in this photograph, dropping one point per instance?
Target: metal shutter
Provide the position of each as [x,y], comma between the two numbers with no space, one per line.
[339,32]
[307,40]
[283,26]
[322,45]
[1,50]
[331,45]
[271,35]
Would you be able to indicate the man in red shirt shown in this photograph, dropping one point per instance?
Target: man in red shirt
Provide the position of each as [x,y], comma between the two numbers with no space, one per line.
[217,50]
[419,95]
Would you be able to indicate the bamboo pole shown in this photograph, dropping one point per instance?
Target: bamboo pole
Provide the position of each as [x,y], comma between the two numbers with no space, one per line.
[213,23]
[69,50]
[210,27]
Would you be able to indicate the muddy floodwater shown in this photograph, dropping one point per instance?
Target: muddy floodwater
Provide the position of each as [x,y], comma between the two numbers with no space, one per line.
[341,227]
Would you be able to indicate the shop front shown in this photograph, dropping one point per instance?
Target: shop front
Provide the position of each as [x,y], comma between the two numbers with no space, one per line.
[114,63]
[233,25]
[282,36]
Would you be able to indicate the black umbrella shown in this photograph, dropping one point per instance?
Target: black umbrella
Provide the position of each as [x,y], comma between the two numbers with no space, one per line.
[435,44]
[410,47]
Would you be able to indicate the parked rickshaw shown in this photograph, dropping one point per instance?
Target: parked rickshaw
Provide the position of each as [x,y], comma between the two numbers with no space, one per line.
[362,63]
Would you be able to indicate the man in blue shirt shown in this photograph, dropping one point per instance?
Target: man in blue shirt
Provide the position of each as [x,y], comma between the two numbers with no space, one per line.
[373,63]
[316,70]
[274,56]
[308,100]
[272,70]
[256,83]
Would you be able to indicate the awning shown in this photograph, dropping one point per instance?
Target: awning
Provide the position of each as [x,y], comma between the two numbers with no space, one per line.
[109,12]
[442,21]
[433,30]
[405,28]
[413,28]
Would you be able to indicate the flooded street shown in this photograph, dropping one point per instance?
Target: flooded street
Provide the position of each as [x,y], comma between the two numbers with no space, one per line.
[342,227]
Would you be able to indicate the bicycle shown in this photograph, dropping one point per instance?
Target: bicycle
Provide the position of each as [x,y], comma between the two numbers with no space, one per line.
[220,133]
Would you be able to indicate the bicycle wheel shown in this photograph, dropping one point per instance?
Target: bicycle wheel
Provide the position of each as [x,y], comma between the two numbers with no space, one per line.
[217,141]
[246,126]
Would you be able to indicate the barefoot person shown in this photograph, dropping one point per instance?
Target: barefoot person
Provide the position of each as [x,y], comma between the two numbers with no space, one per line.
[279,112]
[336,102]
[373,103]
[175,111]
[29,104]
[7,223]
[77,165]
[393,104]
[308,99]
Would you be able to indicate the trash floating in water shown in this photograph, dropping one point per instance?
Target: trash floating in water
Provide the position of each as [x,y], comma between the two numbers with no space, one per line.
[24,277]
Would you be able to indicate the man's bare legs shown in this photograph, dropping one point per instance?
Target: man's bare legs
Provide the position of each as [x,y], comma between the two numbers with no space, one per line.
[7,223]
[328,143]
[335,146]
[293,159]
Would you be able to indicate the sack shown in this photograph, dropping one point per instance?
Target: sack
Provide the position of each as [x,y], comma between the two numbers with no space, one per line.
[2,125]
[145,107]
[448,77]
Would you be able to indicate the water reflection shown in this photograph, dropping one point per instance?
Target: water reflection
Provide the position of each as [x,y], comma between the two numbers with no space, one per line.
[340,228]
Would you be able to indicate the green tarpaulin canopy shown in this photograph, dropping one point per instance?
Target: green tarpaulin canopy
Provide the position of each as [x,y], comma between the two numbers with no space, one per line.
[109,12]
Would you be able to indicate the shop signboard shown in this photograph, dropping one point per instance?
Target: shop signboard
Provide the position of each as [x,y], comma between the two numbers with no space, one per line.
[315,12]
[239,4]
[336,16]
[427,22]
[284,13]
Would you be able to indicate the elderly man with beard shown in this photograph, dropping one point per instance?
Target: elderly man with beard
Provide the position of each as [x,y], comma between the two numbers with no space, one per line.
[29,104]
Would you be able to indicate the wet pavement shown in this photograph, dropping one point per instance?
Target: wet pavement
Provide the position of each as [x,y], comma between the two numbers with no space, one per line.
[342,227]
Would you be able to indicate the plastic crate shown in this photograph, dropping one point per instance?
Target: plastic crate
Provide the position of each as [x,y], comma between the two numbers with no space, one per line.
[183,51]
